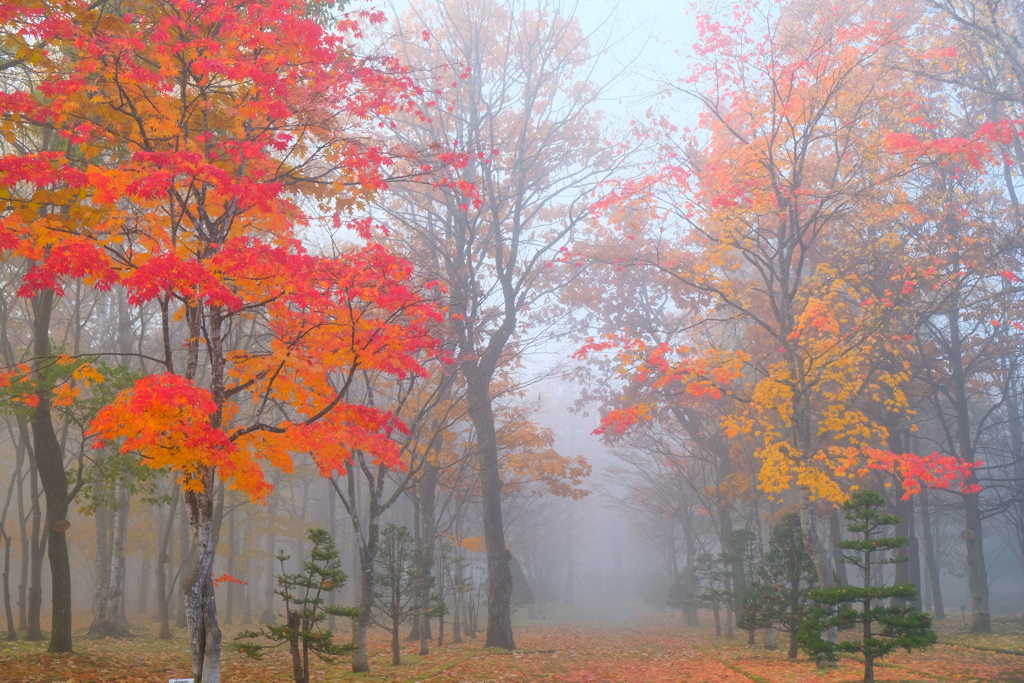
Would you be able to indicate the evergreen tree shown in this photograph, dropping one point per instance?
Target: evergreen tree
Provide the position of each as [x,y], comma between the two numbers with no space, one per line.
[742,561]
[682,594]
[711,575]
[397,579]
[779,595]
[305,609]
[901,626]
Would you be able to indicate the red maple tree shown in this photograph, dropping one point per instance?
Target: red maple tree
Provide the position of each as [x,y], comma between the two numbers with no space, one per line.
[182,147]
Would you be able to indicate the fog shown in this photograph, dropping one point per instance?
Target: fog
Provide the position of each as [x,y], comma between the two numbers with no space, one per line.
[544,312]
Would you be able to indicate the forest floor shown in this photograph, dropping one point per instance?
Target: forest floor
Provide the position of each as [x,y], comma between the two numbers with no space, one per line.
[619,643]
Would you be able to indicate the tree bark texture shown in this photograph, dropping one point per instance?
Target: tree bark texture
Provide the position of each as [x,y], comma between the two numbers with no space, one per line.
[229,612]
[12,632]
[197,588]
[50,463]
[835,532]
[367,545]
[100,601]
[37,552]
[119,580]
[977,572]
[428,524]
[499,572]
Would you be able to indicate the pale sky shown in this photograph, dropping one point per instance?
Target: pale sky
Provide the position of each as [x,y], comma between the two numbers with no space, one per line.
[654,38]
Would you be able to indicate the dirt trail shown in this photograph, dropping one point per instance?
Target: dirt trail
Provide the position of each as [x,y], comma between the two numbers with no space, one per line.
[585,654]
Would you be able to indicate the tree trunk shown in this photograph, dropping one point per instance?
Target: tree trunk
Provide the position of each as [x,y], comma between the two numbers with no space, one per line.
[367,554]
[915,554]
[247,587]
[690,608]
[305,661]
[835,532]
[728,614]
[200,605]
[12,633]
[420,600]
[457,601]
[396,652]
[50,463]
[725,533]
[37,548]
[293,645]
[821,567]
[360,659]
[19,437]
[101,590]
[794,647]
[229,611]
[116,594]
[142,604]
[332,529]
[426,488]
[26,545]
[902,569]
[1016,429]
[185,559]
[268,616]
[977,573]
[163,561]
[929,555]
[499,572]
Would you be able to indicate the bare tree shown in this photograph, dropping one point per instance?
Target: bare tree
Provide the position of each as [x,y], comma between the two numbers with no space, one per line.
[516,100]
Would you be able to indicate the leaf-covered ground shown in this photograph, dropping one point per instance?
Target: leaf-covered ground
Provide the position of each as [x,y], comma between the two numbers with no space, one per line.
[585,646]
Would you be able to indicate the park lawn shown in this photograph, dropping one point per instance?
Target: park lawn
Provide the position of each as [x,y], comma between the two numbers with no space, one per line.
[574,645]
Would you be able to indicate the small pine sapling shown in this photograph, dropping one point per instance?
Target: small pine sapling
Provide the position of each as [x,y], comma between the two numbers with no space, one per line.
[445,587]
[900,626]
[306,609]
[784,581]
[711,575]
[683,594]
[680,593]
[437,608]
[397,579]
[741,563]
[755,610]
[461,582]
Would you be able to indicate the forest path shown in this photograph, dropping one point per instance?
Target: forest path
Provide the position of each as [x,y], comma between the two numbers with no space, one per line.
[639,650]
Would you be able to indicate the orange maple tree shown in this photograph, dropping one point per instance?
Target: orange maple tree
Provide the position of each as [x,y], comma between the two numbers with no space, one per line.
[195,142]
[792,162]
